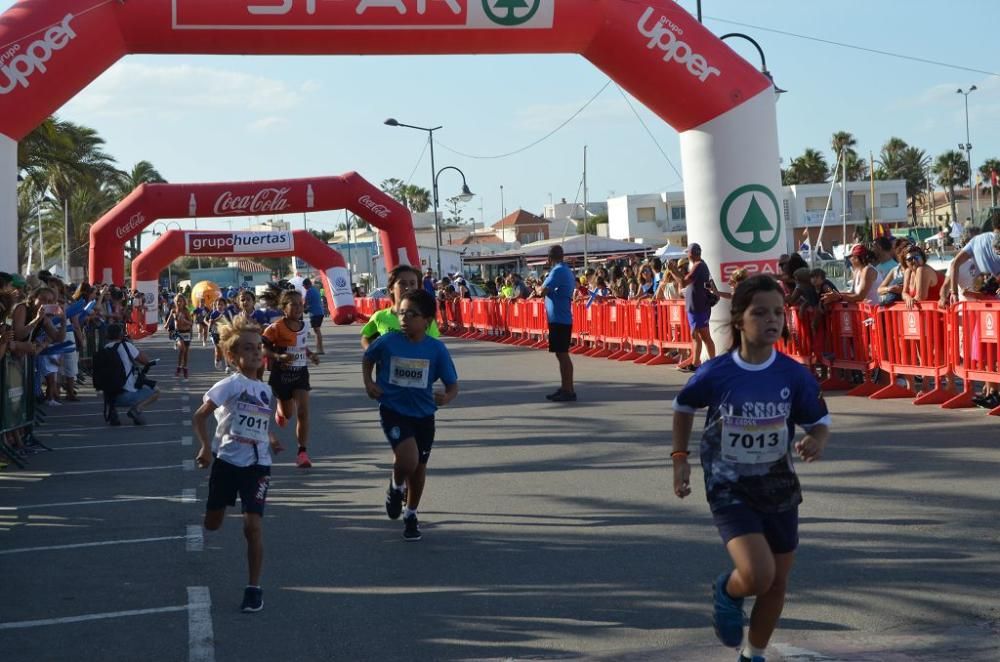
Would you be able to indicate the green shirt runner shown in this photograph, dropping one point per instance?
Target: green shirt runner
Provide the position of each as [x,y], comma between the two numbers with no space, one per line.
[384,321]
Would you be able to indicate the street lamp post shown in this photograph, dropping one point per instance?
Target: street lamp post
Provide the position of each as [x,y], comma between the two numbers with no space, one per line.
[437,225]
[464,196]
[968,145]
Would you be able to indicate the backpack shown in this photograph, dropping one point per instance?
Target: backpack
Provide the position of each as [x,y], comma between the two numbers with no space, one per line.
[109,372]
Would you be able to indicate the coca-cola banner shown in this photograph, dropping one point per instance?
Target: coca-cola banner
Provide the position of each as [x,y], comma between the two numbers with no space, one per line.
[239,243]
[150,202]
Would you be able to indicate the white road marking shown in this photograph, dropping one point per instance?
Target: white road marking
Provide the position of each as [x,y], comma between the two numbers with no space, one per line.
[201,638]
[22,550]
[186,409]
[186,440]
[195,538]
[90,617]
[796,654]
[138,443]
[188,495]
[188,465]
[100,427]
[109,471]
[50,418]
[88,503]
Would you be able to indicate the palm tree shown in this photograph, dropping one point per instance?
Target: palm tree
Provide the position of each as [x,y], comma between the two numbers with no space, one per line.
[897,160]
[418,199]
[810,168]
[986,171]
[857,168]
[951,169]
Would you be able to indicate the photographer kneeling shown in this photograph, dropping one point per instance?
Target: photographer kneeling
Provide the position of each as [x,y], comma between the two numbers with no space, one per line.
[137,392]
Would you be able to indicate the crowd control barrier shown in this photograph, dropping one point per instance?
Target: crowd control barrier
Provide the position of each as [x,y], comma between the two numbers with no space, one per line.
[17,400]
[848,345]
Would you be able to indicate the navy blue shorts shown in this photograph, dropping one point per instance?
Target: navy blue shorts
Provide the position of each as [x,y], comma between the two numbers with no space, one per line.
[399,427]
[698,320]
[315,321]
[781,530]
[228,480]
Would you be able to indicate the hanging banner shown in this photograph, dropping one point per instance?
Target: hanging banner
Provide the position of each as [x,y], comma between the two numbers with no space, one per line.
[248,243]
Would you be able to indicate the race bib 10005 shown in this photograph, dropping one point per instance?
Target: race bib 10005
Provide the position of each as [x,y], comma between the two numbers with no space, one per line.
[754,440]
[250,423]
[409,373]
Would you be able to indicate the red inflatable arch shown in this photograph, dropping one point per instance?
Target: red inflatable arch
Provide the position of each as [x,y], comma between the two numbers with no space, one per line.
[147,267]
[150,202]
[723,107]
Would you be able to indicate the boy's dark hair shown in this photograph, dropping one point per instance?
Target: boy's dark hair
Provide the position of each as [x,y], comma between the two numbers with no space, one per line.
[306,283]
[742,298]
[817,273]
[424,302]
[287,296]
[114,332]
[885,243]
[657,263]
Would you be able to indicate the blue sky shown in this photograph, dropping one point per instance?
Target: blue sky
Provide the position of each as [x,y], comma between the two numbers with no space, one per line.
[212,118]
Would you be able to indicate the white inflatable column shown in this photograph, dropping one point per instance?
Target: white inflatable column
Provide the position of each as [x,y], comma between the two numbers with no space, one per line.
[733,196]
[9,239]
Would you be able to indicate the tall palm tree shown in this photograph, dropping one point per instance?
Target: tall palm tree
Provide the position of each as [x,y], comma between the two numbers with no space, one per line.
[951,169]
[810,168]
[898,160]
[418,199]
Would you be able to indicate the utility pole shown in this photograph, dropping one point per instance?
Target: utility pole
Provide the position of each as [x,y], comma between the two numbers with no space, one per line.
[347,228]
[586,230]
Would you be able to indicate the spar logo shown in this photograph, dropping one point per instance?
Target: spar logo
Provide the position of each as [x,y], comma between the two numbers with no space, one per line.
[746,224]
[20,66]
[135,221]
[666,35]
[510,12]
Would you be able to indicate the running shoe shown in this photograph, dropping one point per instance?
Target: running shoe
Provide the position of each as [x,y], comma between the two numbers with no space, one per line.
[136,416]
[393,502]
[411,529]
[185,374]
[553,394]
[755,658]
[302,460]
[253,599]
[564,396]
[113,419]
[688,368]
[178,372]
[991,401]
[727,615]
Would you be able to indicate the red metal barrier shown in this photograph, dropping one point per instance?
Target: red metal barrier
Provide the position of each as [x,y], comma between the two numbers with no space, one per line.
[974,348]
[913,342]
[671,332]
[799,344]
[847,345]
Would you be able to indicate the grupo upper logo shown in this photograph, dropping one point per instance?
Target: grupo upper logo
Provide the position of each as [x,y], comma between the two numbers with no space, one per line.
[377,208]
[18,67]
[746,224]
[510,12]
[137,220]
[666,36]
[266,200]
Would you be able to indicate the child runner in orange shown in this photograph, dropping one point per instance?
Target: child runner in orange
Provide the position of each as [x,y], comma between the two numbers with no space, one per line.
[407,365]
[289,358]
[243,445]
[755,397]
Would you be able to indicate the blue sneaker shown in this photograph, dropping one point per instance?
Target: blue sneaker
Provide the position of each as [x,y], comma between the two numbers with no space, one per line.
[727,615]
[755,658]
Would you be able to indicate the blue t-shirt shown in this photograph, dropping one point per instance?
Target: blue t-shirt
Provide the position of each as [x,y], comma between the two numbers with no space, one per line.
[980,248]
[406,372]
[749,431]
[696,294]
[314,304]
[559,298]
[259,317]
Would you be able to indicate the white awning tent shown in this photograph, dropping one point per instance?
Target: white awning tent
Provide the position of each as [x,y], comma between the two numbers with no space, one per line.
[597,248]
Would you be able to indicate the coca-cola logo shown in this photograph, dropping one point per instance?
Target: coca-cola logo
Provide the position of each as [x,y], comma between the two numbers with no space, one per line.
[137,220]
[264,201]
[377,208]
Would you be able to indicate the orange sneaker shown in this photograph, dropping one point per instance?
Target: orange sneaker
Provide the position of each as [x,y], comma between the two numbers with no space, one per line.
[302,460]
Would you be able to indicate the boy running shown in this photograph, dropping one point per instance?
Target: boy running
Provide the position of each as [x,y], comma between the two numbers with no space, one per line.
[402,279]
[242,465]
[407,364]
[289,358]
[755,396]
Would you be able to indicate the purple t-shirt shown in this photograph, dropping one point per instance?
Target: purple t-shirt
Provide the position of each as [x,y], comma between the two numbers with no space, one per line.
[695,294]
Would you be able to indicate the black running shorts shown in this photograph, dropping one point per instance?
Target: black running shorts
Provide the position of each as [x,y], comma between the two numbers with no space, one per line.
[285,381]
[398,428]
[559,337]
[228,480]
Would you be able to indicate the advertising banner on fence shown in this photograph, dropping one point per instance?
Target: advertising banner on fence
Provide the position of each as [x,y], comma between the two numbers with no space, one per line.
[239,243]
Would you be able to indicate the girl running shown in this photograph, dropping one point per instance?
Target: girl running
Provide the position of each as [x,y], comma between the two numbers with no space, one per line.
[288,357]
[404,278]
[182,323]
[407,365]
[243,445]
[755,397]
[200,313]
[216,319]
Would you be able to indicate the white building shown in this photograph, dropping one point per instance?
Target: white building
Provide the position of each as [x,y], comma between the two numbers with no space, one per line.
[657,217]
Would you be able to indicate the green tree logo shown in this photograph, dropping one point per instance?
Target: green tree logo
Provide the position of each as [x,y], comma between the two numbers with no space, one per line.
[510,12]
[754,222]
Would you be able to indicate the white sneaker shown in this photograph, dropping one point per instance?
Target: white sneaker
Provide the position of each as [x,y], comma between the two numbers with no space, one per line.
[53,403]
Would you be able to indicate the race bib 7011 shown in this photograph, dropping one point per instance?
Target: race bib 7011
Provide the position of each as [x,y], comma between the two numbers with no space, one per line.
[251,423]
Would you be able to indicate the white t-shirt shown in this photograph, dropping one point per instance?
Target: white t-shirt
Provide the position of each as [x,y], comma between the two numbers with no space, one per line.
[244,419]
[127,352]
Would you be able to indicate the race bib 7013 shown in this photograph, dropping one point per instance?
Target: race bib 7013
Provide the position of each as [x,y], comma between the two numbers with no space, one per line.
[754,440]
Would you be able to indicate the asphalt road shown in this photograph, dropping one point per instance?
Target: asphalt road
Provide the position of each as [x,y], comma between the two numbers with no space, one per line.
[550,532]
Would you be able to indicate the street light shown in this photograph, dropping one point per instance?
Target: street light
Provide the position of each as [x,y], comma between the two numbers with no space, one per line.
[166,226]
[968,145]
[763,61]
[465,196]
